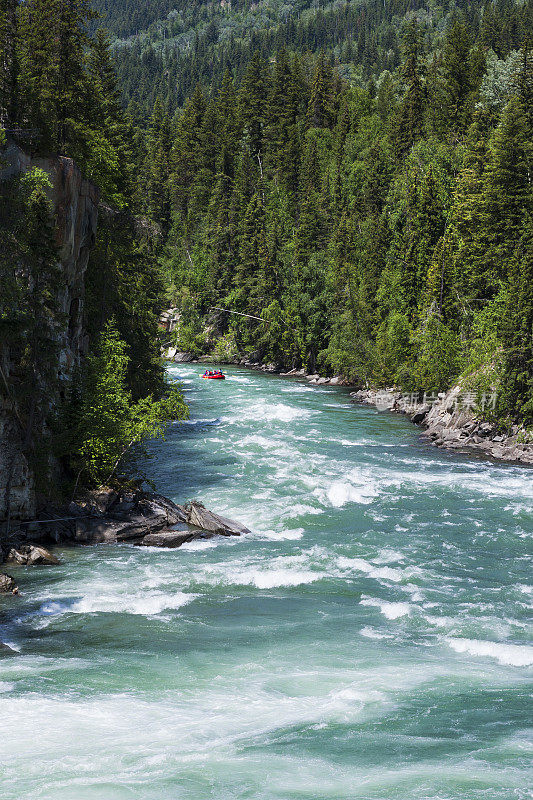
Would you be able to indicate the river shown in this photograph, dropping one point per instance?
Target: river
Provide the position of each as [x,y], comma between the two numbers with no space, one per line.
[369,640]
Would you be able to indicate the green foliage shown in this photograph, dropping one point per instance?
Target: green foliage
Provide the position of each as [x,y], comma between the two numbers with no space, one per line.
[110,427]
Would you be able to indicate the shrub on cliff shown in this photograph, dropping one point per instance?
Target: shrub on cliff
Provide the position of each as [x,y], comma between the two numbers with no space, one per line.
[107,428]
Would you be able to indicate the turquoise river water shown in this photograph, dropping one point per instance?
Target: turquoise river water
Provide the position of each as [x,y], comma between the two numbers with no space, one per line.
[368,640]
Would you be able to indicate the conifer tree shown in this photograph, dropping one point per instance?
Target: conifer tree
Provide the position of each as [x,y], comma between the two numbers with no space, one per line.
[8,61]
[52,75]
[320,112]
[255,279]
[40,303]
[252,104]
[411,111]
[458,75]
[516,395]
[509,191]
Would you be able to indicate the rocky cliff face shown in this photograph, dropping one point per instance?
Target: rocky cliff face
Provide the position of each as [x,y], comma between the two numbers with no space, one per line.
[75,202]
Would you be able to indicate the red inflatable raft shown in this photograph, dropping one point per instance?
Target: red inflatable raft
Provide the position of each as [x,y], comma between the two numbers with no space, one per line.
[214,376]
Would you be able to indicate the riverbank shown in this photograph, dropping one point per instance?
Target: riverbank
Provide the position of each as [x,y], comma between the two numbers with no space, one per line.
[107,516]
[451,420]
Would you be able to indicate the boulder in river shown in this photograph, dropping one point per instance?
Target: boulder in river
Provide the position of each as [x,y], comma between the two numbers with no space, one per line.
[199,517]
[134,517]
[168,538]
[30,555]
[7,584]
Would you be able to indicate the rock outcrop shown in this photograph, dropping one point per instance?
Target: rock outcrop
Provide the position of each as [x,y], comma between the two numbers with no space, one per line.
[452,420]
[142,518]
[7,584]
[31,555]
[199,517]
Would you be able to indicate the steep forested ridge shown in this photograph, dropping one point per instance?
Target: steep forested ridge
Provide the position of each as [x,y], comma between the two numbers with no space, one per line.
[367,190]
[72,423]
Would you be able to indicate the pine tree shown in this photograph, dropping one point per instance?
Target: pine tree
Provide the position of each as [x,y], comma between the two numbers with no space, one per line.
[8,61]
[187,157]
[320,111]
[157,166]
[457,75]
[516,395]
[282,134]
[111,161]
[40,304]
[252,100]
[410,115]
[508,192]
[52,70]
[255,278]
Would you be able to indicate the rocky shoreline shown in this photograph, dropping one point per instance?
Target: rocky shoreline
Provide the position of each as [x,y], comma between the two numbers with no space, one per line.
[454,424]
[145,519]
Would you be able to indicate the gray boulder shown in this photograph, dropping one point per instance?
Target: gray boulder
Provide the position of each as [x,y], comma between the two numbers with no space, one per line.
[31,555]
[199,517]
[7,584]
[167,538]
[183,358]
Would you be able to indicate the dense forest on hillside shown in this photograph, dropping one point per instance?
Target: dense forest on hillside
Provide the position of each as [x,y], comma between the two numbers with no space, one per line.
[196,42]
[381,225]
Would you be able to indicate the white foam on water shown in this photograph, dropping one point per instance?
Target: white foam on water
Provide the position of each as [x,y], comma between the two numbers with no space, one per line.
[197,422]
[13,646]
[6,687]
[355,487]
[297,389]
[360,564]
[204,544]
[514,655]
[274,412]
[54,607]
[371,633]
[261,577]
[485,482]
[287,534]
[389,610]
[278,578]
[145,604]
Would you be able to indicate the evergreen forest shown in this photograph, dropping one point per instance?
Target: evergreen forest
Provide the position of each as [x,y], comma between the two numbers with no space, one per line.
[357,175]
